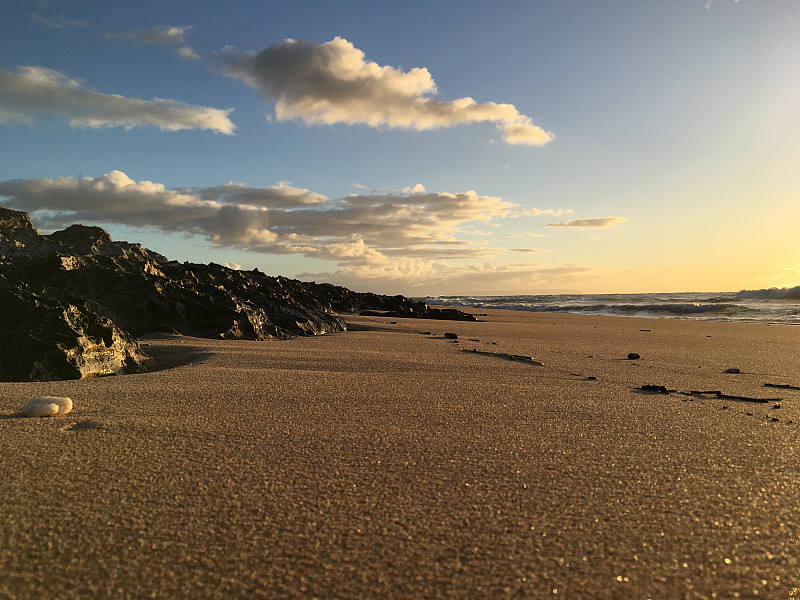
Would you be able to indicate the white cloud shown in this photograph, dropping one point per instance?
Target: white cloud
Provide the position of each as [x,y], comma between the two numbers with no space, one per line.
[283,195]
[333,83]
[59,22]
[186,53]
[439,278]
[525,235]
[111,198]
[389,242]
[535,212]
[416,189]
[32,92]
[277,219]
[593,223]
[163,35]
[392,220]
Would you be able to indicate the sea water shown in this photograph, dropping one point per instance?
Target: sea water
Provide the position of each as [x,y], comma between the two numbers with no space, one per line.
[775,305]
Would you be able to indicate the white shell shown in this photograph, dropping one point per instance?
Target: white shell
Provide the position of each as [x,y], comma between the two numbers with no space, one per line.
[47,406]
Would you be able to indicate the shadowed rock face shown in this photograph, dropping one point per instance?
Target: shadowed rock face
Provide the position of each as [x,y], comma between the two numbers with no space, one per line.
[73,302]
[44,338]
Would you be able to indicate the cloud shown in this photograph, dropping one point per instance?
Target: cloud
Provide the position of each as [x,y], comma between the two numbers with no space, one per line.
[32,92]
[277,219]
[583,223]
[163,35]
[111,198]
[439,253]
[416,189]
[60,22]
[333,83]
[525,235]
[186,53]
[535,212]
[394,220]
[475,279]
[283,195]
[389,242]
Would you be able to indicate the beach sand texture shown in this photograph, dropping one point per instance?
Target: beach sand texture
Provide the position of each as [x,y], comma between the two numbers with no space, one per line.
[385,462]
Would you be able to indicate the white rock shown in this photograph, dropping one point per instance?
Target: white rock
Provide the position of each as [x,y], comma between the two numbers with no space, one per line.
[47,406]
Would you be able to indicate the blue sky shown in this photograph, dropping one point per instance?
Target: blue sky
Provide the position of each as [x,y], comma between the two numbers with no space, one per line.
[420,148]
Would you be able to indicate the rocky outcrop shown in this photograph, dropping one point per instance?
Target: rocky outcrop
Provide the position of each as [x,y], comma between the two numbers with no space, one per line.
[73,302]
[45,338]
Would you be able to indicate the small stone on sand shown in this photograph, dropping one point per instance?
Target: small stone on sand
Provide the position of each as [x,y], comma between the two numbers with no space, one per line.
[47,406]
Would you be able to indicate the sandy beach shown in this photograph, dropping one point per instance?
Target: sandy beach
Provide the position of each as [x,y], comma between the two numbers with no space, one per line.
[391,462]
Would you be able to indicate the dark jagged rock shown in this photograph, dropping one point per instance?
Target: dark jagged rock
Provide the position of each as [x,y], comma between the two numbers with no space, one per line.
[659,389]
[73,302]
[45,338]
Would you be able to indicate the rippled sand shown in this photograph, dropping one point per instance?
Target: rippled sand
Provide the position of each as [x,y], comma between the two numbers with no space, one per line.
[388,462]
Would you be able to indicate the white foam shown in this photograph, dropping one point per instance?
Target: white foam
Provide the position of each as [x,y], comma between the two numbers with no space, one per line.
[47,406]
[771,293]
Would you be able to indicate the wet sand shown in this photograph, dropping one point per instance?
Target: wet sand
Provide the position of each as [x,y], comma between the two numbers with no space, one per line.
[386,462]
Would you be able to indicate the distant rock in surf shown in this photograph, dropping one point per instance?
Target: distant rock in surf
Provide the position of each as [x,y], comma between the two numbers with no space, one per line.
[73,302]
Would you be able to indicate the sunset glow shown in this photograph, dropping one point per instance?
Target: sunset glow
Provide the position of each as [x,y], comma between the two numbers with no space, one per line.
[423,148]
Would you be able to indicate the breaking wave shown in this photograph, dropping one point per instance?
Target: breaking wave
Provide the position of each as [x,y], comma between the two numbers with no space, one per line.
[756,306]
[771,294]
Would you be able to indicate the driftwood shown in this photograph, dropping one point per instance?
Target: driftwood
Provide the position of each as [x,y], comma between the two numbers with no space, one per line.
[661,389]
[719,394]
[513,357]
[782,386]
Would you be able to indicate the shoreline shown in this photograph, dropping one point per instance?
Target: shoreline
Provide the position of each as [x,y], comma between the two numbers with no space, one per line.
[387,462]
[775,307]
[488,311]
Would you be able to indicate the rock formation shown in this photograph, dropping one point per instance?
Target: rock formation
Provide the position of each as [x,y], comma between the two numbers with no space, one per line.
[73,302]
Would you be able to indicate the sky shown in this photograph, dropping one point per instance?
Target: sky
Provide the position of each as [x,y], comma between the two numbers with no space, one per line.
[421,148]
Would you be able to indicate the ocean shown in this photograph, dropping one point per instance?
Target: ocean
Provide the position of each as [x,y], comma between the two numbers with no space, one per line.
[774,305]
